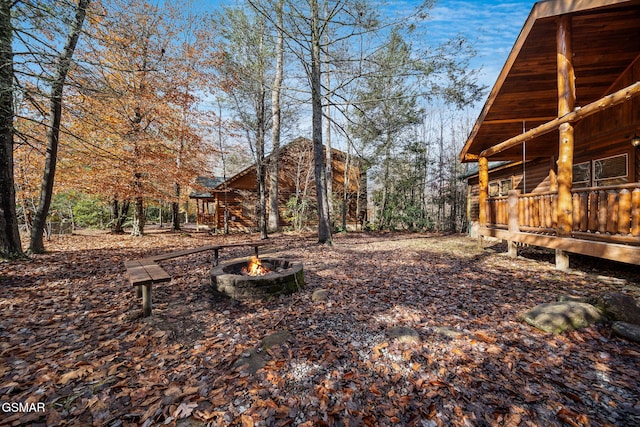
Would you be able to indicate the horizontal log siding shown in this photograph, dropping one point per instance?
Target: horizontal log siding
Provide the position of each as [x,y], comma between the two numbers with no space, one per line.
[537,177]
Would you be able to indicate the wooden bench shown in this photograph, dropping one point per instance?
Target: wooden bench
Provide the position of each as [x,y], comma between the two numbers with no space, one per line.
[145,272]
[142,274]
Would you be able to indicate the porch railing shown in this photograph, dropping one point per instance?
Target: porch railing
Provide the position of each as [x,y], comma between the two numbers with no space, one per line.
[206,219]
[602,211]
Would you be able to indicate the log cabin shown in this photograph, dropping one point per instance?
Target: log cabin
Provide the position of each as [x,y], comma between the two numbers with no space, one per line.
[557,143]
[238,194]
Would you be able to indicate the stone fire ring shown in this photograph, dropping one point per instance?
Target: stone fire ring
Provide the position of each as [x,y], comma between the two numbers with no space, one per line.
[286,278]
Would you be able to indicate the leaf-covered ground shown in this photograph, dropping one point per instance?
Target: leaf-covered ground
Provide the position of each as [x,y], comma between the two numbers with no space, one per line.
[417,330]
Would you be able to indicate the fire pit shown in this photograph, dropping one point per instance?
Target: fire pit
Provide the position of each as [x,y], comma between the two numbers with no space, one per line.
[257,278]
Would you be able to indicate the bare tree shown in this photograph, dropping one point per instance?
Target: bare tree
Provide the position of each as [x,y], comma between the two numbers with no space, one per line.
[305,29]
[246,63]
[315,76]
[276,117]
[327,112]
[10,244]
[62,66]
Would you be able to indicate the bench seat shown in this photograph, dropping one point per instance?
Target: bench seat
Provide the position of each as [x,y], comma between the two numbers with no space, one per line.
[145,272]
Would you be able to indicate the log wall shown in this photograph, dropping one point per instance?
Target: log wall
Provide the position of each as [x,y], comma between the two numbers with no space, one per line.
[295,164]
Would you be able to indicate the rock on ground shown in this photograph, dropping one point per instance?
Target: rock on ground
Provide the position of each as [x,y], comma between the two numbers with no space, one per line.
[253,360]
[619,306]
[320,295]
[627,330]
[557,317]
[403,334]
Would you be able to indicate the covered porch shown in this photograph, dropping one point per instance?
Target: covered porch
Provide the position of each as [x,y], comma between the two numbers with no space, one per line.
[237,206]
[564,117]
[605,222]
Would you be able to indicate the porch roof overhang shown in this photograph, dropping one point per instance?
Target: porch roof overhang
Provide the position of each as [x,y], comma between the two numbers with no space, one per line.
[605,35]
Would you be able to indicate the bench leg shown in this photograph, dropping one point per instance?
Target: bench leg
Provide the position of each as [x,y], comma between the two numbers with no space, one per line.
[215,257]
[146,300]
[138,291]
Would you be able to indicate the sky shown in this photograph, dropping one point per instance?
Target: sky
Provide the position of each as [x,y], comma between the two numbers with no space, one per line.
[493,25]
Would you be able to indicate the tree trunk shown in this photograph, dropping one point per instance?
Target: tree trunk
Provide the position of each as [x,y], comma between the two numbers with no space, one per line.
[175,208]
[10,245]
[139,218]
[53,133]
[138,214]
[260,163]
[440,196]
[324,221]
[274,165]
[383,220]
[345,189]
[327,120]
[119,212]
[261,175]
[225,223]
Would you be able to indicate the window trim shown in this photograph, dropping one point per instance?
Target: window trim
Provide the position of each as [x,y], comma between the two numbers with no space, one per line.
[593,182]
[588,182]
[500,188]
[626,166]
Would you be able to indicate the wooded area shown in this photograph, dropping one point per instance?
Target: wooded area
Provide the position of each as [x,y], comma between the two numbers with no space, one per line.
[363,304]
[124,108]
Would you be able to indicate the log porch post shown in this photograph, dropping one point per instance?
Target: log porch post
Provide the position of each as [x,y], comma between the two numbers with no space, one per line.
[513,221]
[197,213]
[217,224]
[566,104]
[483,175]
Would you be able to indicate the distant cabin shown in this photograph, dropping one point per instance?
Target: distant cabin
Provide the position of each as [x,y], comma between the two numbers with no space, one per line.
[557,143]
[238,194]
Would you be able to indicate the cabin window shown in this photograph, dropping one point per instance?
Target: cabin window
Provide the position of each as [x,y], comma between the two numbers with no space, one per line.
[600,172]
[500,188]
[582,175]
[505,186]
[610,170]
[494,189]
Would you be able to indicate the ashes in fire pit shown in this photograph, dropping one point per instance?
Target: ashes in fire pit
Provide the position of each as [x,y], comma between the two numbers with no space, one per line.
[257,278]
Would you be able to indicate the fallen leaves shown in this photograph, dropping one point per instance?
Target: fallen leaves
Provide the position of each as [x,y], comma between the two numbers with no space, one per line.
[75,374]
[573,418]
[184,410]
[72,339]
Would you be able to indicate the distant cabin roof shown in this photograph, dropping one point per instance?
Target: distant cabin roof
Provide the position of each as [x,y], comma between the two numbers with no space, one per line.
[473,169]
[209,183]
[215,184]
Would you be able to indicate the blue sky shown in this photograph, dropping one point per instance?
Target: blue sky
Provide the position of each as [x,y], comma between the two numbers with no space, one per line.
[493,25]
